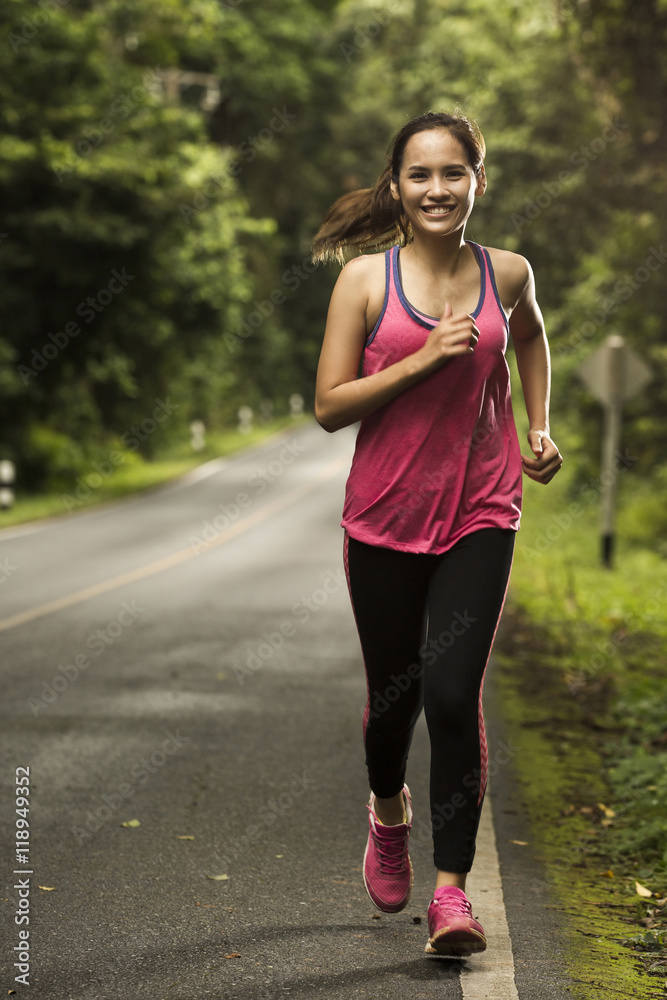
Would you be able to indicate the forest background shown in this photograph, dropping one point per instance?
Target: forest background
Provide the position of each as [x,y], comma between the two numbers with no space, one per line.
[156,227]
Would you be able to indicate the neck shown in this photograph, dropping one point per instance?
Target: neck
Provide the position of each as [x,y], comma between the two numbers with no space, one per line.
[440,254]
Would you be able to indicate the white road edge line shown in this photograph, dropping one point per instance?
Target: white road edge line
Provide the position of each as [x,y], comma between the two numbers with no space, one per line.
[489,975]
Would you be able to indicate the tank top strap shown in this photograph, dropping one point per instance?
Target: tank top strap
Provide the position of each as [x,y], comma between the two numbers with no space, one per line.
[389,290]
[488,281]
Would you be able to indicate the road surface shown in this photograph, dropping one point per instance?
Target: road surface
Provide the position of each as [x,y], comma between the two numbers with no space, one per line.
[188,659]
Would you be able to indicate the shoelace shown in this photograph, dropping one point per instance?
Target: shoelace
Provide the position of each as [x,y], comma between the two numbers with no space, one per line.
[456,904]
[391,854]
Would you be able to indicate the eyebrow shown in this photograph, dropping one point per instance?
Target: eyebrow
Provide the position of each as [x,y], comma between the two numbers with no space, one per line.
[449,166]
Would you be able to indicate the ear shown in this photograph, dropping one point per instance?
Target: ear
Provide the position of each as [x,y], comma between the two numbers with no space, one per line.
[395,193]
[481,182]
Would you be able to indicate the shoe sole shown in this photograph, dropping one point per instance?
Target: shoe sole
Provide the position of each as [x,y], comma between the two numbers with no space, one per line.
[455,947]
[393,908]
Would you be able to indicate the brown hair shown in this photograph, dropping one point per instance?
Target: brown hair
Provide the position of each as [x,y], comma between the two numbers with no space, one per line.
[370,219]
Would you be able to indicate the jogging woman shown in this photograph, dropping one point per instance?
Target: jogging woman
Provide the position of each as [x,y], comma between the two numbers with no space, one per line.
[433,498]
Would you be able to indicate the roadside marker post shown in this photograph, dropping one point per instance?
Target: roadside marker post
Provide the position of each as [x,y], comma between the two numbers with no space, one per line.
[7,477]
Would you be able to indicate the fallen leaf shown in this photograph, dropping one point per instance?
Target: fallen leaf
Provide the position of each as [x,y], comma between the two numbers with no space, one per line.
[609,813]
[280,855]
[218,878]
[608,874]
[185,836]
[521,843]
[233,954]
[642,890]
[131,822]
[376,916]
[49,888]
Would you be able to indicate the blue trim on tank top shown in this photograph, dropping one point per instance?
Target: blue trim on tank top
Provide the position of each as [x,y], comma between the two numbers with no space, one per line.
[422,318]
[495,288]
[375,329]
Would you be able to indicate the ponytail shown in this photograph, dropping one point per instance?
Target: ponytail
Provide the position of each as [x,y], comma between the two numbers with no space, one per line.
[368,219]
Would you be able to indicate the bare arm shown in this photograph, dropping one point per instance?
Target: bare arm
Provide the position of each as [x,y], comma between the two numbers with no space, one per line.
[532,355]
[340,397]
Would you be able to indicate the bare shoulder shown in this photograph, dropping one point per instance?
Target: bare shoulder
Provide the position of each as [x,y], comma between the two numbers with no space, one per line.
[513,272]
[364,268]
[363,279]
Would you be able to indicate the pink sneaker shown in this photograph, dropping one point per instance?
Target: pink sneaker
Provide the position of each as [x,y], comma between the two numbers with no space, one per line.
[453,929]
[387,866]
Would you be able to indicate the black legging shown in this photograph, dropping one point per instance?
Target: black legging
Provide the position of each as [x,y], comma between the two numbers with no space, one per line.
[426,625]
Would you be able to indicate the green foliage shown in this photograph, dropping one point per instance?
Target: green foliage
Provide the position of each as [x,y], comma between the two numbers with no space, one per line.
[209,192]
[125,258]
[52,457]
[648,941]
[639,778]
[640,781]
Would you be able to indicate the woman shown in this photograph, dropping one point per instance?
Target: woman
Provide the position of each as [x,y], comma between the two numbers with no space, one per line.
[433,498]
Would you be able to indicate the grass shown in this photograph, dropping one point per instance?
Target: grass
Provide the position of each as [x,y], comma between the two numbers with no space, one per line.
[137,474]
[583,679]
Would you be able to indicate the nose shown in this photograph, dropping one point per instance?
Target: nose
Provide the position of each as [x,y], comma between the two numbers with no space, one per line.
[438,187]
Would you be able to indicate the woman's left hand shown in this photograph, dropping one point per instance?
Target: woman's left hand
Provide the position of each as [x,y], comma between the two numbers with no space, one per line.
[547,459]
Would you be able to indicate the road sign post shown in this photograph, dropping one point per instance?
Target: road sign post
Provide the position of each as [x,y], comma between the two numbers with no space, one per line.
[613,373]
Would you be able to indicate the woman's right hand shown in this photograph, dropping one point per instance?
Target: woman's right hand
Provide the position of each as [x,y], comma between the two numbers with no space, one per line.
[454,335]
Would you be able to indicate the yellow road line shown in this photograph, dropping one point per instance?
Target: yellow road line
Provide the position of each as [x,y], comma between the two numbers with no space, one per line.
[177,557]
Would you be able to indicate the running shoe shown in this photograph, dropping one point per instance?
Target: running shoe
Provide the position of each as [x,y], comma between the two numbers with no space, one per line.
[388,872]
[452,928]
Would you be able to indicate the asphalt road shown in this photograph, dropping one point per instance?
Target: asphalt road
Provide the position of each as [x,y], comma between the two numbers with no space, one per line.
[189,659]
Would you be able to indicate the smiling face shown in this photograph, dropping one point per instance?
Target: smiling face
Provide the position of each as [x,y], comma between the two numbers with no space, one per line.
[436,185]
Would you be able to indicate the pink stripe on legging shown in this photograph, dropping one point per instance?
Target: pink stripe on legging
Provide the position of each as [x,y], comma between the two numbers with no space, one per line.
[483,747]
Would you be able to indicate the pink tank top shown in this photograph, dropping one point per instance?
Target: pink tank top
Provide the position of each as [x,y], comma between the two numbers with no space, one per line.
[442,458]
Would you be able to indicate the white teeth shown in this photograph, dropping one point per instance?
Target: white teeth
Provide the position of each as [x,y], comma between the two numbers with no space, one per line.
[437,211]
